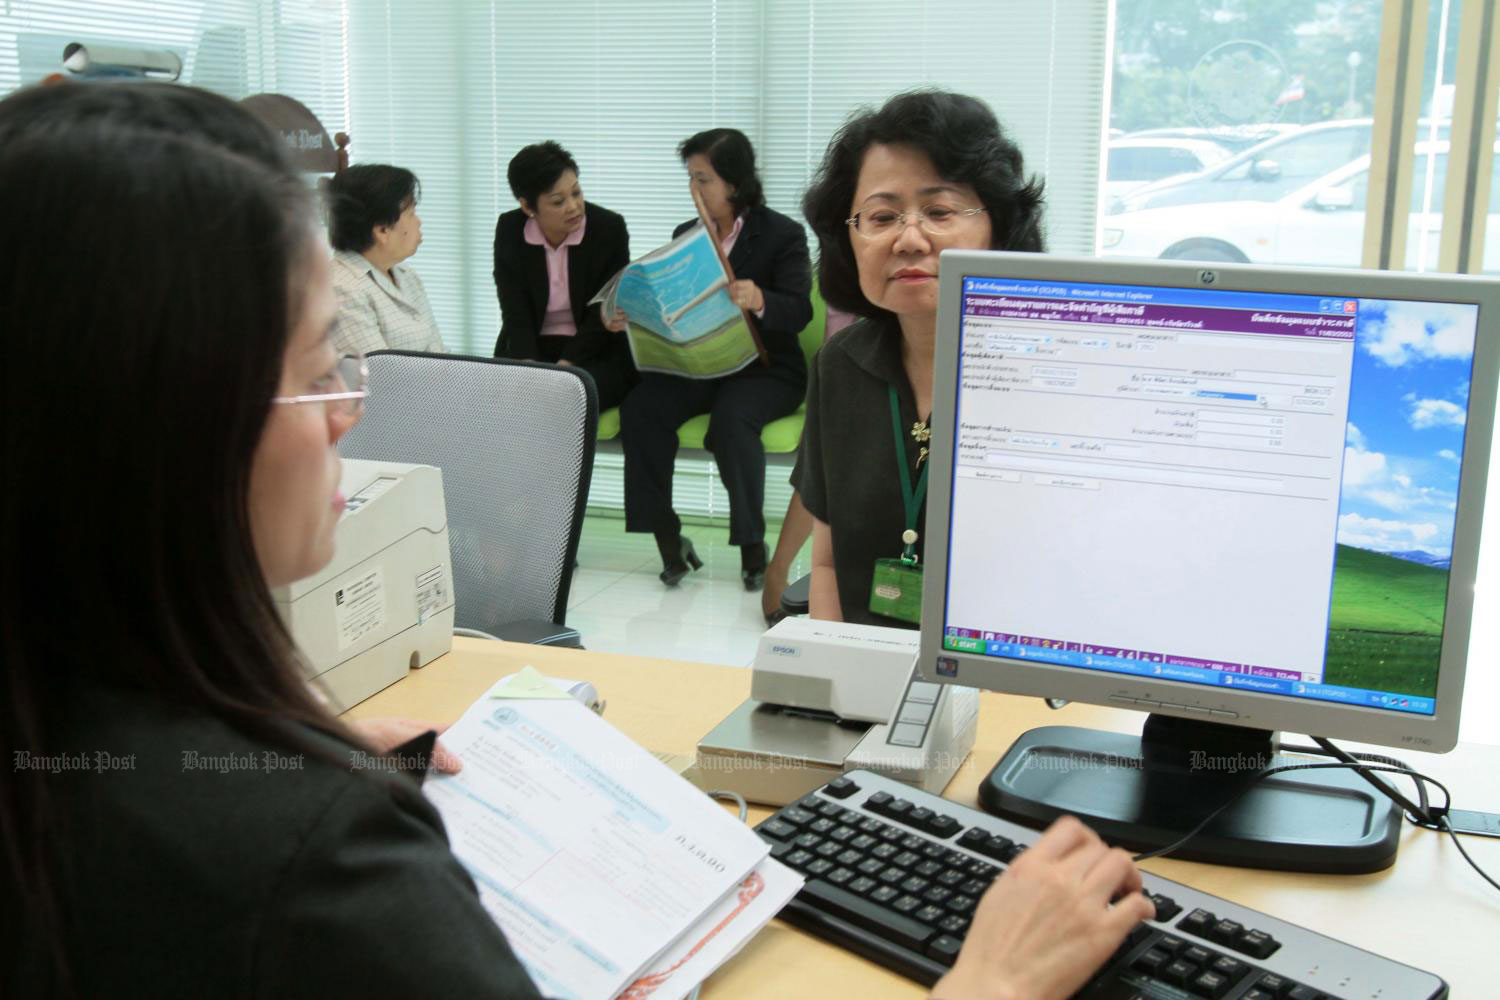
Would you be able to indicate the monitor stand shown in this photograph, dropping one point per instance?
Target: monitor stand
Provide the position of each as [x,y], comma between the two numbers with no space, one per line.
[1145,792]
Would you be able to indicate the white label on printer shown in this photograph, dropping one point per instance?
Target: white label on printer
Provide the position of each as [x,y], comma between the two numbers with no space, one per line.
[364,496]
[359,607]
[432,593]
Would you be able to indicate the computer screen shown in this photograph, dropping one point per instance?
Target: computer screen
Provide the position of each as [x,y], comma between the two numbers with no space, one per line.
[1239,494]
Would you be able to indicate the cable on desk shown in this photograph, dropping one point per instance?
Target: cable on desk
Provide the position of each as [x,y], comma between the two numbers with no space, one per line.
[1438,816]
[728,796]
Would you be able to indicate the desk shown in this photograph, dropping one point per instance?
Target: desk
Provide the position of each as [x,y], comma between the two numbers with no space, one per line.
[1430,910]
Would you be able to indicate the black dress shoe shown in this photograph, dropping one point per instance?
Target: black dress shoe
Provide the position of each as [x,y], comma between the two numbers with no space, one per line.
[677,554]
[753,565]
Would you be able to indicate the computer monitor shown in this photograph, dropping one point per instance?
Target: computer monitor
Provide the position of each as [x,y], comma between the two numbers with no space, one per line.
[1241,499]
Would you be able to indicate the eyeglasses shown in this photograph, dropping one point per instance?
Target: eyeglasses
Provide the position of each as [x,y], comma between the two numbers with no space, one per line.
[343,389]
[934,220]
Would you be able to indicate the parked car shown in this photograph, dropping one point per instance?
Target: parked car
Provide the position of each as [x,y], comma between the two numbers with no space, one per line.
[1320,223]
[1234,138]
[1269,171]
[1134,162]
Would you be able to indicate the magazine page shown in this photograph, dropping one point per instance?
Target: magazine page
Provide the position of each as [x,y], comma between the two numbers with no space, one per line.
[681,318]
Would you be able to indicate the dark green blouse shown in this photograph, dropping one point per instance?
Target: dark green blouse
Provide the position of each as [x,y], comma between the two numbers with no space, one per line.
[846,469]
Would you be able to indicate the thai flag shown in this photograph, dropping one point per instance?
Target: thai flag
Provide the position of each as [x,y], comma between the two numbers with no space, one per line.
[1294,91]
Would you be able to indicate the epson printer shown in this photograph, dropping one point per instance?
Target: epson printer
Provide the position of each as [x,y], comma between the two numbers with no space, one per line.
[829,697]
[385,603]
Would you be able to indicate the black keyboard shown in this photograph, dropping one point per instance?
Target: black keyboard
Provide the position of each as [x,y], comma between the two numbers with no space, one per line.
[894,874]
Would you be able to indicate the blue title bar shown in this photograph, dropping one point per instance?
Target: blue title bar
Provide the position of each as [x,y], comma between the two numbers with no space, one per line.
[1202,298]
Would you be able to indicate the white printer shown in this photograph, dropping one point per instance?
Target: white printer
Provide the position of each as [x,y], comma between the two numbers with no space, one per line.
[385,603]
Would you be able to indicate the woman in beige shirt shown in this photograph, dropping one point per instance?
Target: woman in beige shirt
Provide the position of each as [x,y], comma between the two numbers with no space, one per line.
[373,226]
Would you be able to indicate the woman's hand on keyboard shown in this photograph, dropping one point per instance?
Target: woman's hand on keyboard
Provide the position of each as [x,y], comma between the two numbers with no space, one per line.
[1049,921]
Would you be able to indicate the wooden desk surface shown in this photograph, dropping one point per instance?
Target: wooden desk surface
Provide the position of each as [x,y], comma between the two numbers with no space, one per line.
[1429,910]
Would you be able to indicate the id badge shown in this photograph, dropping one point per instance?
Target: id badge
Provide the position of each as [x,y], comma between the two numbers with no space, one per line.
[896,590]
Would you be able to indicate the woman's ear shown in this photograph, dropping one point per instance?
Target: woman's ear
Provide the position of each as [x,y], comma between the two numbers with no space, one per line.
[530,212]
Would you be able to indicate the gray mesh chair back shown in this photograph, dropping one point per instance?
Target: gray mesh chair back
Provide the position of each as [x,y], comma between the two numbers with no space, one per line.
[515,441]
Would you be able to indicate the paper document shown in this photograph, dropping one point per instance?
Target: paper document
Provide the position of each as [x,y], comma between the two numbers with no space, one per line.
[676,300]
[720,935]
[591,855]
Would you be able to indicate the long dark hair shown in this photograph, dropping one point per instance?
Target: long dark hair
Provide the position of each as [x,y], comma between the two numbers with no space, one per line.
[965,143]
[149,285]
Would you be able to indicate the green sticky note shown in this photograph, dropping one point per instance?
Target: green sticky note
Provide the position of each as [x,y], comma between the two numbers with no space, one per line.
[527,684]
[896,590]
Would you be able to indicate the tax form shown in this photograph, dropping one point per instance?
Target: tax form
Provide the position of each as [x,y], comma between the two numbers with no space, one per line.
[591,855]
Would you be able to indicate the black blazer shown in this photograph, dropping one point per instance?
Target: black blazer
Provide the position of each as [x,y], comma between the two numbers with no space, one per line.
[192,870]
[771,251]
[521,281]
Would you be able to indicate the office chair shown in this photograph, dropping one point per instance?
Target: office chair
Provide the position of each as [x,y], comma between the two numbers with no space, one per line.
[515,441]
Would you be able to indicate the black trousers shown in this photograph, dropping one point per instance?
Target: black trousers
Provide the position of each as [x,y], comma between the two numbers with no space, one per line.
[614,374]
[739,406]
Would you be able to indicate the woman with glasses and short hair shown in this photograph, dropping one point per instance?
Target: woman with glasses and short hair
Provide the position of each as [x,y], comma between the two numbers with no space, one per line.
[373,227]
[929,171]
[768,254]
[552,255]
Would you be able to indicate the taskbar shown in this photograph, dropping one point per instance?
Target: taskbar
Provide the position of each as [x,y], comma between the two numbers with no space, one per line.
[1154,667]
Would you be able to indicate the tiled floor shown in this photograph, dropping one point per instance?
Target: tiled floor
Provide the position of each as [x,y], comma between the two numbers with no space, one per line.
[619,605]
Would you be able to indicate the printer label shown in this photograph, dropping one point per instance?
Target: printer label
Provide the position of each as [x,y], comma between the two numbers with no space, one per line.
[781,649]
[432,593]
[359,607]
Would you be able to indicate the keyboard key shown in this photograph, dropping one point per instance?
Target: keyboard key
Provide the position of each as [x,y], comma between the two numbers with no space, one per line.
[975,886]
[1209,984]
[897,809]
[862,912]
[906,905]
[822,827]
[871,825]
[983,870]
[912,842]
[943,826]
[840,876]
[996,847]
[963,905]
[944,949]
[885,852]
[928,869]
[953,924]
[934,851]
[955,858]
[907,859]
[919,816]
[808,841]
[884,894]
[821,866]
[1152,962]
[878,801]
[850,857]
[1256,944]
[827,849]
[1300,992]
[843,834]
[937,894]
[779,849]
[862,885]
[914,884]
[777,828]
[973,837]
[1166,908]
[1231,967]
[928,915]
[829,809]
[840,788]
[1170,943]
[797,816]
[1196,955]
[891,834]
[1197,922]
[1256,993]
[850,817]
[863,842]
[1273,984]
[952,878]
[892,875]
[871,867]
[1179,972]
[1226,931]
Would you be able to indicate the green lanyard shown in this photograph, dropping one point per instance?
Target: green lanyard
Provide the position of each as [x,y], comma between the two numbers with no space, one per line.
[910,498]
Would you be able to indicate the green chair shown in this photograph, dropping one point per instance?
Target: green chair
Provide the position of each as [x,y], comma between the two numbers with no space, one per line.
[781,436]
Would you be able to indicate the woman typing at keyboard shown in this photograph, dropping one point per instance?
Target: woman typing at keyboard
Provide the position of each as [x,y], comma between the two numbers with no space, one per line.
[180,816]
